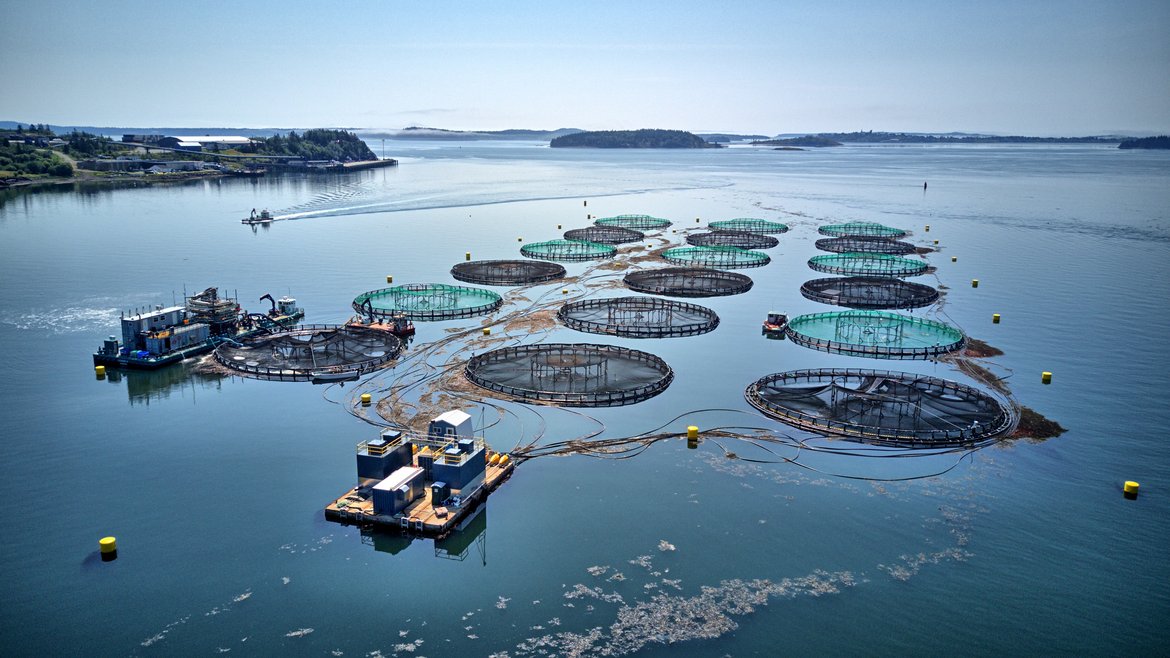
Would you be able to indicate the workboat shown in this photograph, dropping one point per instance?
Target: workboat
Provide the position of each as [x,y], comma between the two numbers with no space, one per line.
[263,217]
[775,325]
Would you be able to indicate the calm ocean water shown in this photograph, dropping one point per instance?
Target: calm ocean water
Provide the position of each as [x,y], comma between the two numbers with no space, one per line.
[214,486]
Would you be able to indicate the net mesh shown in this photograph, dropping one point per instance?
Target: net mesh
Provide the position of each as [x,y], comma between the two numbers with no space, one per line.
[862,229]
[869,292]
[568,250]
[506,272]
[310,351]
[729,257]
[741,239]
[688,282]
[426,301]
[862,264]
[749,224]
[582,375]
[605,234]
[636,222]
[638,317]
[873,245]
[876,406]
[877,334]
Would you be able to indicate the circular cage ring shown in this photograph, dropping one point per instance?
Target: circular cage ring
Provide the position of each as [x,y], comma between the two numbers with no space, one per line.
[638,317]
[741,239]
[866,292]
[880,407]
[507,272]
[688,282]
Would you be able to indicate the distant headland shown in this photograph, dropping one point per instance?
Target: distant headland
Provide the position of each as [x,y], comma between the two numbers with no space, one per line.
[872,137]
[1159,142]
[633,139]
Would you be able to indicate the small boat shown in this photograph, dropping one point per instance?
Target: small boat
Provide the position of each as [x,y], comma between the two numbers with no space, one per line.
[322,377]
[775,325]
[264,217]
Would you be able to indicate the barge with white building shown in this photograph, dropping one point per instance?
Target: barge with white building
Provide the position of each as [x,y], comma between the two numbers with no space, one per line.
[424,485]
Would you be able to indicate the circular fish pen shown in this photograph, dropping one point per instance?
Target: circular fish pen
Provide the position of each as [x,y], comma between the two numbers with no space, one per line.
[638,317]
[605,234]
[724,257]
[688,282]
[426,302]
[635,222]
[319,353]
[862,264]
[568,250]
[866,292]
[876,406]
[741,239]
[861,229]
[877,334]
[571,375]
[854,244]
[506,272]
[749,224]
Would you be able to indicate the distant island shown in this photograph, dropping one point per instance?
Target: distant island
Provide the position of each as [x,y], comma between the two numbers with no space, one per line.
[420,132]
[871,137]
[730,137]
[810,140]
[1159,142]
[633,139]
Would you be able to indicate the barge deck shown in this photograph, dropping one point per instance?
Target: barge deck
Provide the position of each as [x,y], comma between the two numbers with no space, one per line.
[423,517]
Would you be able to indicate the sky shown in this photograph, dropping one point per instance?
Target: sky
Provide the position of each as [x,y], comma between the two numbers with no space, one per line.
[1063,68]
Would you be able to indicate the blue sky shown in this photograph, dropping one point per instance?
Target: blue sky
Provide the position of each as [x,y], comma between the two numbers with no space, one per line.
[1021,67]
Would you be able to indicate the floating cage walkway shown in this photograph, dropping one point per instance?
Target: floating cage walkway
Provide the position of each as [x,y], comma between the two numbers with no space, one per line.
[861,229]
[638,317]
[613,235]
[877,334]
[635,222]
[426,302]
[866,292]
[573,375]
[688,282]
[855,244]
[888,408]
[506,272]
[741,239]
[568,250]
[862,264]
[728,257]
[313,352]
[748,224]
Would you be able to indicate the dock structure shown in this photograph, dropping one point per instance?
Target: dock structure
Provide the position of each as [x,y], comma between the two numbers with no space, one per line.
[425,485]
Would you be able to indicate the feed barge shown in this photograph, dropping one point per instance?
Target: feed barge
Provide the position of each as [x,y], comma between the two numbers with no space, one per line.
[423,485]
[160,337]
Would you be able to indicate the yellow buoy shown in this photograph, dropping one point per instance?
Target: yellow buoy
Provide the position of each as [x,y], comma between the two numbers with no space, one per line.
[692,432]
[585,203]
[100,371]
[936,242]
[1046,377]
[467,256]
[366,399]
[564,291]
[503,459]
[1131,487]
[389,279]
[558,227]
[974,283]
[696,220]
[954,259]
[928,228]
[519,239]
[487,331]
[995,318]
[108,545]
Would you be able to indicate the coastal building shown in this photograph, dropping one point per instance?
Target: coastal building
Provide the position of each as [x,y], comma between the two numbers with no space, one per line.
[207,142]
